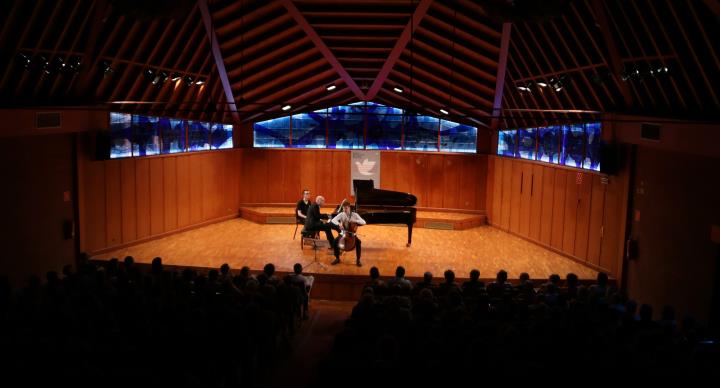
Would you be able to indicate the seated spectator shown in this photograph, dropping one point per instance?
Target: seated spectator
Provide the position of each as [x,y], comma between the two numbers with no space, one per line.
[425,283]
[269,272]
[378,286]
[449,285]
[225,275]
[500,287]
[526,288]
[600,289]
[306,282]
[473,287]
[399,283]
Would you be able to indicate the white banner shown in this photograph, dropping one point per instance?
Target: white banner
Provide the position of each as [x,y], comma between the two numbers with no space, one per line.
[365,165]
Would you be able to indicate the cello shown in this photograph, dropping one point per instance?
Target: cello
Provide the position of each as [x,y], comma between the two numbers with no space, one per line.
[346,242]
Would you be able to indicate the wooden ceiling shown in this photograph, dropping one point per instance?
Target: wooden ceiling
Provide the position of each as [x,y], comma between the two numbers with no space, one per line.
[242,60]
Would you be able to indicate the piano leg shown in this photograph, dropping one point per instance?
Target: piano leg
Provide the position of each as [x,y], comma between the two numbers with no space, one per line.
[409,235]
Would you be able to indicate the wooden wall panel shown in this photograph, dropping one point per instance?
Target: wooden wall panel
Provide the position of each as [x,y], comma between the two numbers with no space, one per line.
[571,209]
[292,188]
[142,195]
[595,224]
[232,179]
[612,236]
[170,190]
[515,195]
[113,203]
[480,181]
[157,196]
[525,198]
[388,170]
[196,191]
[274,179]
[536,195]
[95,207]
[435,174]
[183,191]
[452,182]
[558,214]
[546,214]
[583,216]
[341,176]
[468,184]
[307,174]
[497,190]
[420,178]
[128,202]
[507,182]
[490,187]
[404,169]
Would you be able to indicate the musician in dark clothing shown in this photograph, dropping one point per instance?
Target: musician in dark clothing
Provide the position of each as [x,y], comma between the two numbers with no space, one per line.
[313,223]
[302,206]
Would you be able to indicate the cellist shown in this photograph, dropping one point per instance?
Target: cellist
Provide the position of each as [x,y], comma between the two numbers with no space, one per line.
[344,220]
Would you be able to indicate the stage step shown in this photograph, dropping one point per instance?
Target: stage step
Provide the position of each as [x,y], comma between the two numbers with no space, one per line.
[435,219]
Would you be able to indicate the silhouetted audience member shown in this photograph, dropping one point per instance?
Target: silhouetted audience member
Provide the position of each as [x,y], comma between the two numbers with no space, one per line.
[399,284]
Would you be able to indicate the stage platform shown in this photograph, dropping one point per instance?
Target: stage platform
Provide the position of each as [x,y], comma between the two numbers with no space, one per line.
[240,242]
[429,219]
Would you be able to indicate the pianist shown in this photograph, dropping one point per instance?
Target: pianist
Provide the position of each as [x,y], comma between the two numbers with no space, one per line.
[313,223]
[343,220]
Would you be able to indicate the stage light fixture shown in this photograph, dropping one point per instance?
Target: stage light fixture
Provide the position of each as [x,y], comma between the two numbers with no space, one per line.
[188,80]
[542,84]
[199,82]
[331,87]
[524,89]
[443,111]
[106,68]
[175,77]
[25,60]
[398,89]
[286,107]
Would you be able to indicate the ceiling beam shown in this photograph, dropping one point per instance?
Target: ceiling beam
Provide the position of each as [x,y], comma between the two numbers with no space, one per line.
[714,6]
[400,45]
[615,62]
[310,31]
[217,55]
[500,78]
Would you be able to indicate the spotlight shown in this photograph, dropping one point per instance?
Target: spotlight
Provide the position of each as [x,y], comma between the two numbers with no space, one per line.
[45,64]
[175,77]
[397,89]
[199,82]
[443,111]
[160,77]
[188,80]
[24,60]
[524,89]
[542,84]
[106,68]
[73,65]
[286,107]
[331,87]
[558,89]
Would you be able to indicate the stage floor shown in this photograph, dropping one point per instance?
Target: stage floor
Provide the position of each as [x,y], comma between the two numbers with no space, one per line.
[239,242]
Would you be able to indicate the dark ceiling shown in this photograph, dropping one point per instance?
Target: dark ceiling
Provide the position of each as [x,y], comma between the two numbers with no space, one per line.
[242,60]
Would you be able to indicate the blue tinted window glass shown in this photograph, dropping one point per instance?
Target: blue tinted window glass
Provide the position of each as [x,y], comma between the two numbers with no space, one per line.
[456,137]
[172,135]
[526,143]
[221,136]
[573,145]
[548,144]
[272,133]
[592,157]
[346,126]
[121,132]
[421,133]
[308,130]
[384,127]
[147,139]
[506,142]
[198,136]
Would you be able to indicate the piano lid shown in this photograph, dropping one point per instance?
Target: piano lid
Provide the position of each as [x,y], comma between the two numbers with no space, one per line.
[367,195]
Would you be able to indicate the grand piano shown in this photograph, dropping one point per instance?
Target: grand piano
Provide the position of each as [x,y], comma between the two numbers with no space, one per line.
[377,206]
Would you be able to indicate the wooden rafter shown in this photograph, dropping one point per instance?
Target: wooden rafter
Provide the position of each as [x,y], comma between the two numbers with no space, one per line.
[399,47]
[500,78]
[217,55]
[329,56]
[615,62]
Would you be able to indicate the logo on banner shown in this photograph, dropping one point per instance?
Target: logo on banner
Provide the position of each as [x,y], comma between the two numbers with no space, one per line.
[365,165]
